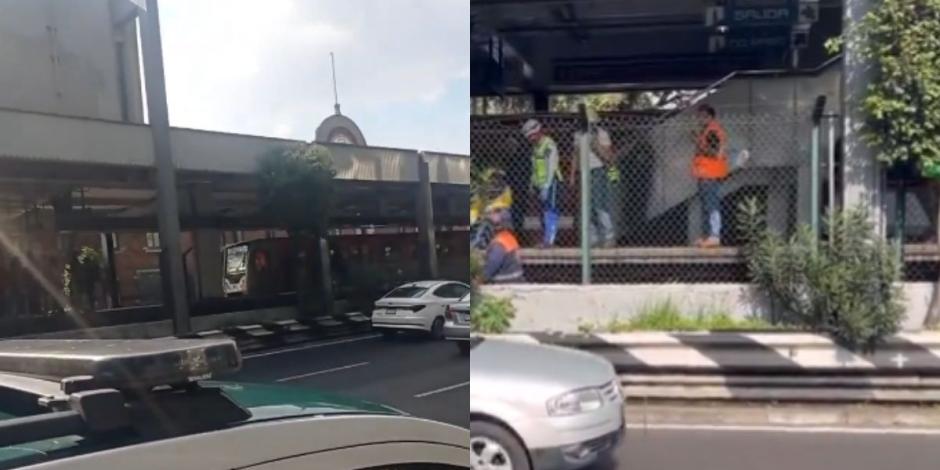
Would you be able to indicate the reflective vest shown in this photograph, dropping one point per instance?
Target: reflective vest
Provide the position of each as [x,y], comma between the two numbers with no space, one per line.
[510,269]
[478,207]
[708,167]
[613,174]
[540,162]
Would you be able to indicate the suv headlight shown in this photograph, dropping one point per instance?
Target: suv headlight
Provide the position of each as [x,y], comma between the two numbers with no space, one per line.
[576,402]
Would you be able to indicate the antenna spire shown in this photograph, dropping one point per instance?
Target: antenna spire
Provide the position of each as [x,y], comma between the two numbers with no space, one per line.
[335,93]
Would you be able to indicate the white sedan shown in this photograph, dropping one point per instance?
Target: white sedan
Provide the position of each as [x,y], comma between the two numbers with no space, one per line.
[417,306]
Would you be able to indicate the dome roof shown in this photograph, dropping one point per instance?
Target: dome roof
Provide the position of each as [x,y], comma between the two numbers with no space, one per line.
[341,130]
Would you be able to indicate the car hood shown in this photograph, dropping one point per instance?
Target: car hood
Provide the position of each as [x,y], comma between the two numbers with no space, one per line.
[536,368]
[275,401]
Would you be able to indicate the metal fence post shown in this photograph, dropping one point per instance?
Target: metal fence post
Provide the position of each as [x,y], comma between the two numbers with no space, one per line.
[583,149]
[814,162]
[814,177]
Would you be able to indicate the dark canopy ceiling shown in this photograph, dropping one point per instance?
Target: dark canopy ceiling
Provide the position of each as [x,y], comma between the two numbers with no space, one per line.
[584,45]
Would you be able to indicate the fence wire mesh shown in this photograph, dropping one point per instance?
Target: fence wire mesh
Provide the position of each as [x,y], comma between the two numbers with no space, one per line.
[655,204]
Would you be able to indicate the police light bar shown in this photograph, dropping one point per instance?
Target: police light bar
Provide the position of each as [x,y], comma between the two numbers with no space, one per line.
[120,364]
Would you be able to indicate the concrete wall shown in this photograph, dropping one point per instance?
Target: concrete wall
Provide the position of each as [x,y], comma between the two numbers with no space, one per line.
[62,57]
[565,307]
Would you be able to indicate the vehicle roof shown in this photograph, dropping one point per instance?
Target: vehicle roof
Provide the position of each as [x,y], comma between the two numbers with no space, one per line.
[263,403]
[429,284]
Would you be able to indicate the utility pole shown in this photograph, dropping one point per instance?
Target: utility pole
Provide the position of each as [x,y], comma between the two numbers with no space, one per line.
[175,301]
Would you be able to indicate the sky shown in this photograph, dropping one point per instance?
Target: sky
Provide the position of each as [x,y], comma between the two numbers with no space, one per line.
[263,67]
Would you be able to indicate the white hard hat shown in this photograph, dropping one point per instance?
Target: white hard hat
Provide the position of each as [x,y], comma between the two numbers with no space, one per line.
[531,127]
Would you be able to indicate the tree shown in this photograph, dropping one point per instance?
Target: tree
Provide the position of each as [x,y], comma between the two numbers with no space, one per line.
[295,187]
[81,278]
[901,40]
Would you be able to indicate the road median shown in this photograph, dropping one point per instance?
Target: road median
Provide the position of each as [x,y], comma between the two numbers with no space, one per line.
[764,367]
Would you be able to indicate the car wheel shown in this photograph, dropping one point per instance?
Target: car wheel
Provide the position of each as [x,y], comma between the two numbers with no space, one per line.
[464,347]
[494,448]
[437,328]
[389,334]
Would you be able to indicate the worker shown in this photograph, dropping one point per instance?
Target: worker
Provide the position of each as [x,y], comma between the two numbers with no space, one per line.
[603,174]
[495,194]
[710,168]
[502,264]
[545,177]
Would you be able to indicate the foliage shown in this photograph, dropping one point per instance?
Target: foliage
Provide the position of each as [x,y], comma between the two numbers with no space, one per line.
[568,103]
[901,39]
[295,185]
[83,274]
[667,316]
[491,315]
[847,287]
[476,271]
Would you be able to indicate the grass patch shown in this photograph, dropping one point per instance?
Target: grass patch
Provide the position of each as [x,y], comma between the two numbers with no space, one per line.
[666,316]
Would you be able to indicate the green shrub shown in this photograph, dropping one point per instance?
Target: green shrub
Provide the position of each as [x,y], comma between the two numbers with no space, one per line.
[491,315]
[666,316]
[847,287]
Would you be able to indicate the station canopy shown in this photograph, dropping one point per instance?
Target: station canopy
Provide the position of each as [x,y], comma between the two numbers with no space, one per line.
[567,46]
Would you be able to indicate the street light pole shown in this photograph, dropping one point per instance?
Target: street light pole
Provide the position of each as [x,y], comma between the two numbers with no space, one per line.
[175,300]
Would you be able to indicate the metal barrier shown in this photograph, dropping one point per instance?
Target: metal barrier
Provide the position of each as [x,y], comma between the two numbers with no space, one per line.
[655,205]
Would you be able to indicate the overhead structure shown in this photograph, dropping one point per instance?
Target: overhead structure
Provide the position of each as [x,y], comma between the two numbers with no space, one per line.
[556,46]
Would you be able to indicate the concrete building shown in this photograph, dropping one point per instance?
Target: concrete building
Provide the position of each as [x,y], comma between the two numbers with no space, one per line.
[77,159]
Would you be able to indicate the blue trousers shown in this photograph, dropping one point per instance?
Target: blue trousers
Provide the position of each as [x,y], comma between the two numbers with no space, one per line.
[709,192]
[550,214]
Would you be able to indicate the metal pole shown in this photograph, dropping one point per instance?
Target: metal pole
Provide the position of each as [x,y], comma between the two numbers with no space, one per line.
[427,243]
[814,177]
[171,256]
[583,148]
[832,164]
[335,92]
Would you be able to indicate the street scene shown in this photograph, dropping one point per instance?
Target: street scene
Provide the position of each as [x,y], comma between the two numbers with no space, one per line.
[234,234]
[704,234]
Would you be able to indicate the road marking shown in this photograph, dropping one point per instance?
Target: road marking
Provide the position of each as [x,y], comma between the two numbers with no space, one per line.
[310,346]
[900,360]
[442,390]
[785,430]
[321,372]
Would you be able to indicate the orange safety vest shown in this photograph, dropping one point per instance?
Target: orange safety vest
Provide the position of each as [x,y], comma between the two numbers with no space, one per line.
[507,240]
[511,268]
[707,167]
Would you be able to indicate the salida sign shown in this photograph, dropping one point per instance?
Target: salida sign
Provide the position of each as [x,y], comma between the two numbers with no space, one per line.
[761,12]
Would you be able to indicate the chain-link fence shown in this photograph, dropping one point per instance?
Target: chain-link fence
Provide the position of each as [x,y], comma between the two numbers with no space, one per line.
[649,213]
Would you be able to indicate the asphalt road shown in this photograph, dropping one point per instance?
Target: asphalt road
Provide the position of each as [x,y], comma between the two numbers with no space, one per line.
[429,379]
[764,449]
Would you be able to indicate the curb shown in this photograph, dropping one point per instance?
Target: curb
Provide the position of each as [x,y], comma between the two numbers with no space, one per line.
[260,336]
[783,416]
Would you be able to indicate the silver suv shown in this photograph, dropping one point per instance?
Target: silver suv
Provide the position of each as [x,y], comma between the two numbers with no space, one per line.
[542,407]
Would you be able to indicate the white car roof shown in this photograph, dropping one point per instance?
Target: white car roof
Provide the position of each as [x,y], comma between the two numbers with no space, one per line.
[428,284]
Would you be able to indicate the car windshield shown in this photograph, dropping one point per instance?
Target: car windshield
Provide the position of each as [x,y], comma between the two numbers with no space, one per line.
[407,292]
[466,298]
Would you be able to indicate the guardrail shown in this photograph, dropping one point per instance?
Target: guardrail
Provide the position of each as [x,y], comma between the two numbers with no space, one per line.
[763,366]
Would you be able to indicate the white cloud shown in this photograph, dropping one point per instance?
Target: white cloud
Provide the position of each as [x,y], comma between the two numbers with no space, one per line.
[262,67]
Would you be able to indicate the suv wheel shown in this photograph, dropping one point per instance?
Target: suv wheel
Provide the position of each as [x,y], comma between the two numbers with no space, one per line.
[494,448]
